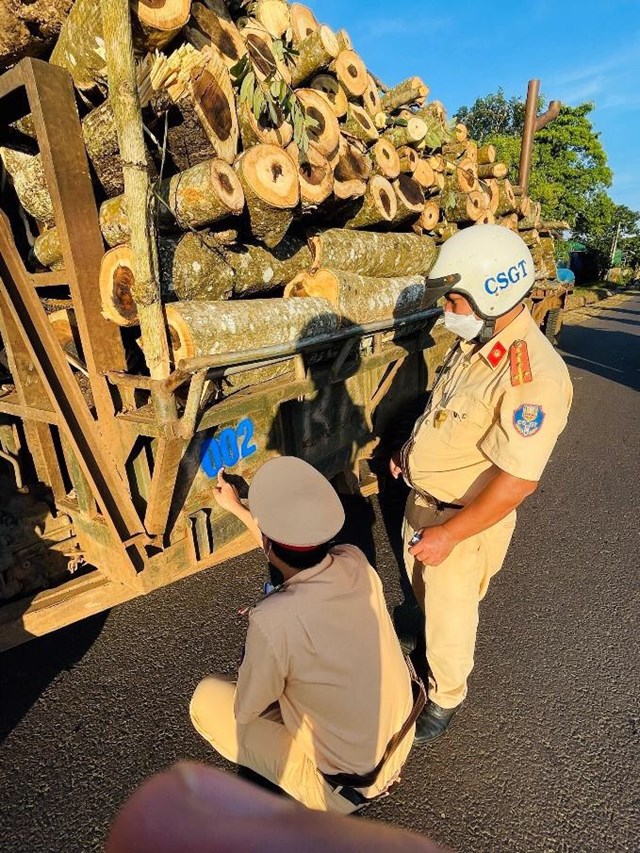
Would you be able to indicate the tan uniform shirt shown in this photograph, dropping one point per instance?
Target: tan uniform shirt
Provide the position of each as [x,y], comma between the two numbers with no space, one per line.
[478,422]
[326,650]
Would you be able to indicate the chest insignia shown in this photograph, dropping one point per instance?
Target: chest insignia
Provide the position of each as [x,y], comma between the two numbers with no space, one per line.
[519,362]
[528,418]
[496,354]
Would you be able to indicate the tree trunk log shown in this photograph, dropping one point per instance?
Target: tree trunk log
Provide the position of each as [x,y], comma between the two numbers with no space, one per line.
[351,72]
[274,16]
[260,49]
[486,155]
[316,53]
[303,22]
[253,132]
[506,199]
[532,220]
[444,231]
[378,205]
[359,299]
[199,196]
[326,135]
[510,221]
[409,159]
[530,237]
[210,122]
[409,198]
[351,165]
[460,132]
[424,174]
[27,29]
[412,134]
[344,40]
[487,218]
[215,22]
[30,184]
[140,204]
[271,188]
[372,254]
[492,190]
[210,328]
[430,216]
[493,170]
[328,85]
[410,91]
[201,268]
[47,249]
[385,159]
[315,175]
[80,48]
[463,207]
[358,124]
[101,141]
[350,189]
[371,98]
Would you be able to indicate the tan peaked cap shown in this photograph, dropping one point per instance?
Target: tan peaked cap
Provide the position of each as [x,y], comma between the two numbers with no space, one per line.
[293,504]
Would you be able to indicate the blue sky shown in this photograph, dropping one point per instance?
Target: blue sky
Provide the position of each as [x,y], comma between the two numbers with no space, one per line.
[581,51]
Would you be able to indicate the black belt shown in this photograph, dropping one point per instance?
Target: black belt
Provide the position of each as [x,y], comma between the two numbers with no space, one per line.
[434,502]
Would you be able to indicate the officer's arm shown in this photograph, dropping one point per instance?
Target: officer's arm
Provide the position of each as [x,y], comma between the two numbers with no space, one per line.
[500,497]
[261,677]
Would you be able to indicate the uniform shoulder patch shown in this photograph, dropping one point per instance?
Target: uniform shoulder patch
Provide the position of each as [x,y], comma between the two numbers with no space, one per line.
[528,419]
[520,364]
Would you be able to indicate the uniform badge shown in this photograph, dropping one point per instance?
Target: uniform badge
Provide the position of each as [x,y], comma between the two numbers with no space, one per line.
[495,356]
[528,419]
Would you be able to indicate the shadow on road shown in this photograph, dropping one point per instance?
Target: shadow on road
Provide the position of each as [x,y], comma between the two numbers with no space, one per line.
[27,671]
[617,352]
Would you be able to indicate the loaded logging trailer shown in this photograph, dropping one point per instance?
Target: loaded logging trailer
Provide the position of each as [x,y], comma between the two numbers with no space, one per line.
[215,227]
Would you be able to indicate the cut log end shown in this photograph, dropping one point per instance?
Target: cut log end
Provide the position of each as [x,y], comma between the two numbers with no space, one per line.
[163,14]
[386,159]
[371,98]
[323,283]
[116,287]
[315,175]
[303,21]
[333,92]
[352,73]
[271,175]
[225,183]
[325,135]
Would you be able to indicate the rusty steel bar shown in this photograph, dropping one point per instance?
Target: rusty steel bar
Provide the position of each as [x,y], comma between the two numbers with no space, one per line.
[526,149]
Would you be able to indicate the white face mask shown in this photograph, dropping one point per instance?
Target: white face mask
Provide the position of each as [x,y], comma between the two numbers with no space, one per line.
[465,326]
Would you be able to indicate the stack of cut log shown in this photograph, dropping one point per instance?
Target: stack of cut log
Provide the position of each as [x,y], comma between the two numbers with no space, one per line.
[246,207]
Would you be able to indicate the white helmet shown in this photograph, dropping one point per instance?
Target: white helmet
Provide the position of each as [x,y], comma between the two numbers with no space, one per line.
[490,265]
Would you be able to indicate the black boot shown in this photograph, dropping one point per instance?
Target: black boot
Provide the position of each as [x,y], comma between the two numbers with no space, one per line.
[433,722]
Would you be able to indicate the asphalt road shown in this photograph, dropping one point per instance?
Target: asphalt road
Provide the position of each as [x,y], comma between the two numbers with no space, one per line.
[544,756]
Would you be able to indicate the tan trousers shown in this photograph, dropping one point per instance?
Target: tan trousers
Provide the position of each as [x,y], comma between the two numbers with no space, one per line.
[450,594]
[264,745]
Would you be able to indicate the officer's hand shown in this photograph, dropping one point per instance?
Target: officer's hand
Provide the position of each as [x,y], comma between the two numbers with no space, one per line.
[225,494]
[394,465]
[435,545]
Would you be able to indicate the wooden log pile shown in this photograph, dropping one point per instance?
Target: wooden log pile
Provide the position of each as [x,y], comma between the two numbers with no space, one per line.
[282,167]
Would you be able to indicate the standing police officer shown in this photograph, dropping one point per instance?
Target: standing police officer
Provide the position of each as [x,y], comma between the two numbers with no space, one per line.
[498,406]
[323,704]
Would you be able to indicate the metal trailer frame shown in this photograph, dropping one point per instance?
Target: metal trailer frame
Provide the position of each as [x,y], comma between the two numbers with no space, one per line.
[117,462]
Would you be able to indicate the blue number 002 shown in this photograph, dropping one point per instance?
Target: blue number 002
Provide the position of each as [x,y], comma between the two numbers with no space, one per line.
[227,448]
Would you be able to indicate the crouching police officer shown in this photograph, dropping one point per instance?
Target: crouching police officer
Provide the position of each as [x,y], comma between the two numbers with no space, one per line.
[495,413]
[323,706]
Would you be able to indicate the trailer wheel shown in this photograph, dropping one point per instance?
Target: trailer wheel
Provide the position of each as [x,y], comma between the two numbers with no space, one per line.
[552,325]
